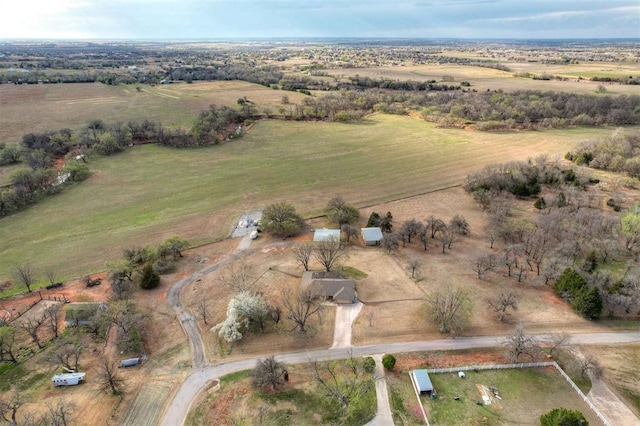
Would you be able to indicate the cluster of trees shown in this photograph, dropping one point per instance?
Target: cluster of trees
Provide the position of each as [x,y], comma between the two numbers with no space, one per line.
[281,219]
[143,266]
[432,229]
[618,152]
[570,231]
[585,300]
[39,151]
[362,82]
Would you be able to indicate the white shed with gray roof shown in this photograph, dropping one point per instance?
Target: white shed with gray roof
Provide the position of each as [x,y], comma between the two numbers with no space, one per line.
[371,236]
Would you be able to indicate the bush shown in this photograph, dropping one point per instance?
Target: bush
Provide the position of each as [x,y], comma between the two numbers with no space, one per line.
[162,266]
[562,416]
[388,361]
[150,279]
[369,364]
[540,204]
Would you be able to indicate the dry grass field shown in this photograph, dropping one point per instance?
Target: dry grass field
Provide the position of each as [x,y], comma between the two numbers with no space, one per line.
[483,79]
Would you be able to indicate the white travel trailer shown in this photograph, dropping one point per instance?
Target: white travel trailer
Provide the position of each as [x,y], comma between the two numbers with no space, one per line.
[68,379]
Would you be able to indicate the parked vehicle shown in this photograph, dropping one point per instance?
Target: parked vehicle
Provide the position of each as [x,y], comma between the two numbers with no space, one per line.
[68,379]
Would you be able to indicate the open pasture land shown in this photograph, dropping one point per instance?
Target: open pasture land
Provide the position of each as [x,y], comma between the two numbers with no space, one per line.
[149,192]
[526,395]
[30,108]
[482,79]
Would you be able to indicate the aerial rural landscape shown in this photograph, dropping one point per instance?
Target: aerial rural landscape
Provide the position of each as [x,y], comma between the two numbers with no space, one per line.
[321,230]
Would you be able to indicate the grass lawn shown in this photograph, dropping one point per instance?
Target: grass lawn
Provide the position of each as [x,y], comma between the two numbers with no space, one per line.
[526,394]
[149,192]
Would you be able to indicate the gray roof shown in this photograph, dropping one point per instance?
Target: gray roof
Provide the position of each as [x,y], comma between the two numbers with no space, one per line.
[330,284]
[326,234]
[372,234]
[422,380]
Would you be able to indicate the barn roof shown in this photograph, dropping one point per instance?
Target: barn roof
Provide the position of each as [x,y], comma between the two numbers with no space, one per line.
[422,380]
[372,234]
[326,234]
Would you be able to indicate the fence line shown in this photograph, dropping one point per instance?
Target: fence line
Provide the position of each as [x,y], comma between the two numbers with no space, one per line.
[593,408]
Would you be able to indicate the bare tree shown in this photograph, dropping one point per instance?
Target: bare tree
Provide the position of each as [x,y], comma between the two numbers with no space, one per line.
[8,344]
[328,252]
[433,224]
[68,354]
[59,413]
[414,266]
[301,306]
[9,407]
[51,317]
[459,225]
[450,309]
[350,231]
[445,237]
[202,308]
[269,373]
[390,242]
[502,302]
[25,275]
[239,276]
[108,377]
[558,342]
[303,254]
[409,229]
[589,366]
[343,380]
[31,325]
[51,276]
[484,264]
[520,344]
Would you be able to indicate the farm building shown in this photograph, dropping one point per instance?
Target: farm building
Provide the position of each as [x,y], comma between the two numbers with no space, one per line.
[331,285]
[68,379]
[371,236]
[422,382]
[326,234]
[80,313]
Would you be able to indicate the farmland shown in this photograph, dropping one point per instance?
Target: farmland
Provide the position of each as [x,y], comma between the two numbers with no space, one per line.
[148,193]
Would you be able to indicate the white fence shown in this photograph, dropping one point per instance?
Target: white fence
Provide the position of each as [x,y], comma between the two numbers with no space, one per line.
[597,412]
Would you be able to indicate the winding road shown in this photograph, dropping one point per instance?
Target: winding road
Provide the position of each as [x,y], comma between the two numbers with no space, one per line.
[176,412]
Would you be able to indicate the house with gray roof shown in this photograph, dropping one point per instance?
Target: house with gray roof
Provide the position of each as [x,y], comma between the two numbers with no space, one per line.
[331,285]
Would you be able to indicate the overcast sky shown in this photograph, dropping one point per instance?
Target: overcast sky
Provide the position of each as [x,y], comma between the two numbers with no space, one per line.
[211,19]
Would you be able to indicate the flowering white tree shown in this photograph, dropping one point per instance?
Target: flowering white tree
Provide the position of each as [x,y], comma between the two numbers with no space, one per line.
[244,309]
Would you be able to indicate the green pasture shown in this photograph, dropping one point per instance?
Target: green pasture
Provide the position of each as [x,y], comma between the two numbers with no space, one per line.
[149,192]
[526,394]
[43,107]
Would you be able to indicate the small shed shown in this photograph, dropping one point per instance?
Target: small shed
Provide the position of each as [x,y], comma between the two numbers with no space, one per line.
[371,236]
[422,382]
[326,235]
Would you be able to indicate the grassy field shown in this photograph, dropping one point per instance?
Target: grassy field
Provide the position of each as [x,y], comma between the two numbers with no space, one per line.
[42,107]
[149,193]
[526,394]
[483,79]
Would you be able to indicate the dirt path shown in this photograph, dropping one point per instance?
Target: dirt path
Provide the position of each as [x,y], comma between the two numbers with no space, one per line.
[610,405]
[345,316]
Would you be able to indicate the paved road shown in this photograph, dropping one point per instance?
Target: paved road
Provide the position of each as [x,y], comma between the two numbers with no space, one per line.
[179,407]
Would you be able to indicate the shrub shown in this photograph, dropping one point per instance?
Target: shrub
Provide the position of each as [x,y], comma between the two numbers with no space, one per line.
[369,364]
[150,279]
[388,361]
[563,416]
[540,204]
[162,266]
